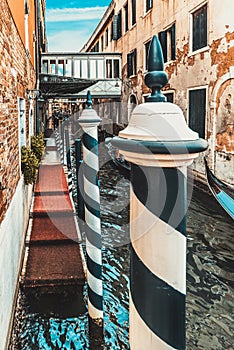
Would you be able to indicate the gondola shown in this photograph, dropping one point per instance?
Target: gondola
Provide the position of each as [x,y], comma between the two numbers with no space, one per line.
[223,193]
[117,158]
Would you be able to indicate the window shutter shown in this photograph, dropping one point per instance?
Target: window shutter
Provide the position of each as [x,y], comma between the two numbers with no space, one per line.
[162,36]
[135,61]
[133,12]
[129,63]
[196,28]
[119,34]
[173,42]
[115,27]
[204,27]
[197,111]
[111,34]
[200,28]
[147,45]
[149,5]
[126,17]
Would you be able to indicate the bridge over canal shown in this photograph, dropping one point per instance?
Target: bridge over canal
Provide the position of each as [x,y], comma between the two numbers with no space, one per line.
[71,75]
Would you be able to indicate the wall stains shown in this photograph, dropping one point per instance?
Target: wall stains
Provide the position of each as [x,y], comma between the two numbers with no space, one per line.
[225,118]
[222,54]
[225,140]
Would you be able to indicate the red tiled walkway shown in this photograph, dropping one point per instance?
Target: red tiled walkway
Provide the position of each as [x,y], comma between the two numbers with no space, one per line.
[54,256]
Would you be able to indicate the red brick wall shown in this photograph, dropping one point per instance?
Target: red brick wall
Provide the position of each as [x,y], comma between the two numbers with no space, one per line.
[16,76]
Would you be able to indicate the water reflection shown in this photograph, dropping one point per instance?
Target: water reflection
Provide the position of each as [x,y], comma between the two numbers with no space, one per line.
[209,275]
[209,280]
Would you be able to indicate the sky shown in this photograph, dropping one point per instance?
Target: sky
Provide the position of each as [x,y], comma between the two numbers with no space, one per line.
[70,23]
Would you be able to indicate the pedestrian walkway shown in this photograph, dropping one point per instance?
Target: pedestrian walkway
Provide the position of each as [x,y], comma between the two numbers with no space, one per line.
[54,257]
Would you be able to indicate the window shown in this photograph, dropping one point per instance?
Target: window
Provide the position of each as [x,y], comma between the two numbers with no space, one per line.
[52,69]
[112,30]
[199,27]
[95,47]
[133,12]
[126,17]
[112,68]
[132,63]
[147,45]
[119,25]
[107,37]
[102,43]
[115,27]
[197,111]
[148,5]
[109,68]
[169,96]
[45,66]
[168,43]
[116,69]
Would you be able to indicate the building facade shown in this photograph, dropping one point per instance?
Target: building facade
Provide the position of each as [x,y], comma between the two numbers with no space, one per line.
[197,39]
[20,40]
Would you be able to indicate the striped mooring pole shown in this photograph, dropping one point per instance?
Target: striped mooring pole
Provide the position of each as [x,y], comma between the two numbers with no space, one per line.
[160,146]
[68,151]
[62,143]
[79,181]
[89,122]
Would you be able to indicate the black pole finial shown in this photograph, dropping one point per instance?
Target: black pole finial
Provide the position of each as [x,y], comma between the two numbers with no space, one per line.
[156,78]
[89,100]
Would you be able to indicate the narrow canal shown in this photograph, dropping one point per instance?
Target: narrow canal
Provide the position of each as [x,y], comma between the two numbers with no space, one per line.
[210,293]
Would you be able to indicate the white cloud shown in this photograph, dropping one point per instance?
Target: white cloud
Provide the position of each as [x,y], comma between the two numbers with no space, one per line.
[75,14]
[68,40]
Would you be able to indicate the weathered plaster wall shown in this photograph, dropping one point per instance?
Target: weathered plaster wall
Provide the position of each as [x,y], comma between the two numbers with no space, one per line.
[11,248]
[224,146]
[204,68]
[16,76]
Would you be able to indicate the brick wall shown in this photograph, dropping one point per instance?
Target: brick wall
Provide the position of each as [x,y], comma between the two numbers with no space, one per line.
[16,76]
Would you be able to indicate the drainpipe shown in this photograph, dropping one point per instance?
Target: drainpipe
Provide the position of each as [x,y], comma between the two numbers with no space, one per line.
[160,146]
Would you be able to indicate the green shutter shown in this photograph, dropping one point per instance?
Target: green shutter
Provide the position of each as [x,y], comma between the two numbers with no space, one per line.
[197,111]
[133,12]
[119,34]
[173,42]
[129,65]
[135,61]
[115,27]
[162,36]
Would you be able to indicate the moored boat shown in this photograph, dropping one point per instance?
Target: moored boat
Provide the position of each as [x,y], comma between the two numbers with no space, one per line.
[118,158]
[222,192]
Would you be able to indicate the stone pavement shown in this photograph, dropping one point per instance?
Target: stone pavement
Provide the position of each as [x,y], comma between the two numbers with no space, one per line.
[54,256]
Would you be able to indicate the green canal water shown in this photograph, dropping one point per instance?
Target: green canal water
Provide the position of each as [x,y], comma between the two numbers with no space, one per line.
[210,296]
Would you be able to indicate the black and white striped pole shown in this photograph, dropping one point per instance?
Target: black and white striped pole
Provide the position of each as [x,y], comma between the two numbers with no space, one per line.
[62,143]
[79,181]
[89,121]
[160,146]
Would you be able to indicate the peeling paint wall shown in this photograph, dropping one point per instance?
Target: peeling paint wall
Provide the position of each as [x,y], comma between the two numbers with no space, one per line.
[211,67]
[224,146]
